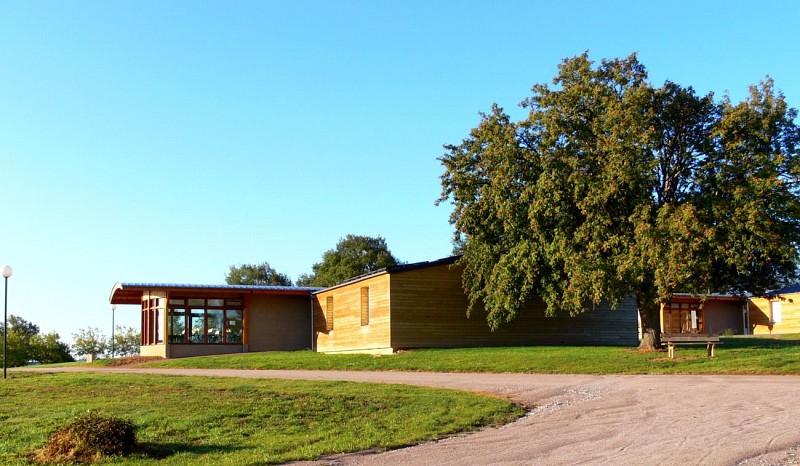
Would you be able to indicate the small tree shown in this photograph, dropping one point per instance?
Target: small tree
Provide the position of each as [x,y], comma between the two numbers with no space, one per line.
[126,341]
[256,274]
[89,341]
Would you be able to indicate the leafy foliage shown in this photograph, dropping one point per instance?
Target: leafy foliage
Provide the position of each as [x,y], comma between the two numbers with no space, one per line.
[126,342]
[26,344]
[89,341]
[354,255]
[611,186]
[256,274]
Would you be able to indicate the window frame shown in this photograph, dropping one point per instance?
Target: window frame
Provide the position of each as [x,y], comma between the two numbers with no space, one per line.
[189,307]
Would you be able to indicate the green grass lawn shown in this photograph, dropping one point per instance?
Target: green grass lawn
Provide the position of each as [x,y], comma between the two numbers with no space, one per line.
[205,420]
[737,355]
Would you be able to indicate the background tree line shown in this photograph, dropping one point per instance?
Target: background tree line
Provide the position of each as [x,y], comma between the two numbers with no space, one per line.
[353,255]
[27,345]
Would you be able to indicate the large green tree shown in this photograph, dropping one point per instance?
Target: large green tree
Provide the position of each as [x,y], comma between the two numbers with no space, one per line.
[611,187]
[26,344]
[354,255]
[256,274]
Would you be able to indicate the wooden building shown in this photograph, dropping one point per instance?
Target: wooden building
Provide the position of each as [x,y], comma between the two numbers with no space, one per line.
[776,313]
[418,305]
[711,314]
[423,305]
[197,320]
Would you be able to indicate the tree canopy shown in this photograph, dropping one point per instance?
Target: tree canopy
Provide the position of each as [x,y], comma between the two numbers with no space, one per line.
[611,186]
[90,341]
[353,256]
[26,344]
[256,274]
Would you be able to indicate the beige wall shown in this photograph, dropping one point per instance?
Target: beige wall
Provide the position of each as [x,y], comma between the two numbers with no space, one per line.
[761,319]
[278,323]
[153,350]
[348,335]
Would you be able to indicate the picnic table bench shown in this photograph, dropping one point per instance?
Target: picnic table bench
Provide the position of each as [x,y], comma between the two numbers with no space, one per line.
[671,340]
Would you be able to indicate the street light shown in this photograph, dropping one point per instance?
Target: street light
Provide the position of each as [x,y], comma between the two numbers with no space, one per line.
[113,308]
[6,273]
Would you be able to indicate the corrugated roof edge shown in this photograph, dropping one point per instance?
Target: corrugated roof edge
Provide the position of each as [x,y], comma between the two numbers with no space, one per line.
[394,269]
[784,290]
[219,287]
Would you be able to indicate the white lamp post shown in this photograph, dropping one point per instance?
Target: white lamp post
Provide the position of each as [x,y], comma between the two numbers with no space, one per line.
[6,273]
[113,308]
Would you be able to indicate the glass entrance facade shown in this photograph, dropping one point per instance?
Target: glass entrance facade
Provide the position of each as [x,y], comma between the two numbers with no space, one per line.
[206,321]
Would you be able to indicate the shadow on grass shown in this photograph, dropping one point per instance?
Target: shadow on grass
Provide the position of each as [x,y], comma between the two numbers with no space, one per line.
[165,450]
[759,342]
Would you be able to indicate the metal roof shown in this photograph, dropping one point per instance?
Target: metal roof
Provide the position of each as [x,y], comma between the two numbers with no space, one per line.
[784,290]
[395,269]
[131,293]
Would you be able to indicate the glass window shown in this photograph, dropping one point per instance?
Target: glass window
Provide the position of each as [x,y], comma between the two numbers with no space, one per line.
[159,325]
[233,326]
[176,302]
[198,326]
[329,313]
[203,322]
[177,325]
[365,305]
[215,325]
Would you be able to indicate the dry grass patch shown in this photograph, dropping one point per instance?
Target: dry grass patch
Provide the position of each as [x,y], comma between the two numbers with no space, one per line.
[88,438]
[132,361]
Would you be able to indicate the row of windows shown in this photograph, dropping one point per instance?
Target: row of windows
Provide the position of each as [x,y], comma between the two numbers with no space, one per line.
[205,321]
[152,321]
[193,320]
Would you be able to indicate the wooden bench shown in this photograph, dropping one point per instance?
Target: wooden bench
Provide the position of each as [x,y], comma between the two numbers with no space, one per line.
[671,340]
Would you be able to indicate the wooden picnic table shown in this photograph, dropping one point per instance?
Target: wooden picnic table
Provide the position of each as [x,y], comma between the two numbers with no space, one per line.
[671,340]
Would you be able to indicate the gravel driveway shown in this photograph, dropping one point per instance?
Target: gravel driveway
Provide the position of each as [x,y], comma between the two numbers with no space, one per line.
[598,420]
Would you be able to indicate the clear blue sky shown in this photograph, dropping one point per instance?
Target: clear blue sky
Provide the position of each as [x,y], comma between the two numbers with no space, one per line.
[165,141]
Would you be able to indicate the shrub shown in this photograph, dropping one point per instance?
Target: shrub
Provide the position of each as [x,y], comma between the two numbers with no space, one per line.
[88,438]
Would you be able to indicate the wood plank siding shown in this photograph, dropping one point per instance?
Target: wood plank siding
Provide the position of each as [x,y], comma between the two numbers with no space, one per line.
[429,310]
[765,319]
[425,307]
[339,317]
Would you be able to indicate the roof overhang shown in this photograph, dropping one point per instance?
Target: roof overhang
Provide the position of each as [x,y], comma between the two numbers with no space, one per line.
[688,297]
[131,293]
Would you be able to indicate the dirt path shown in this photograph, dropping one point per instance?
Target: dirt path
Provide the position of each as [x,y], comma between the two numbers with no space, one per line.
[606,420]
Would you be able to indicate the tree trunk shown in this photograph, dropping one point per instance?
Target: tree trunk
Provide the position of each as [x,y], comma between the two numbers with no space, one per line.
[649,312]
